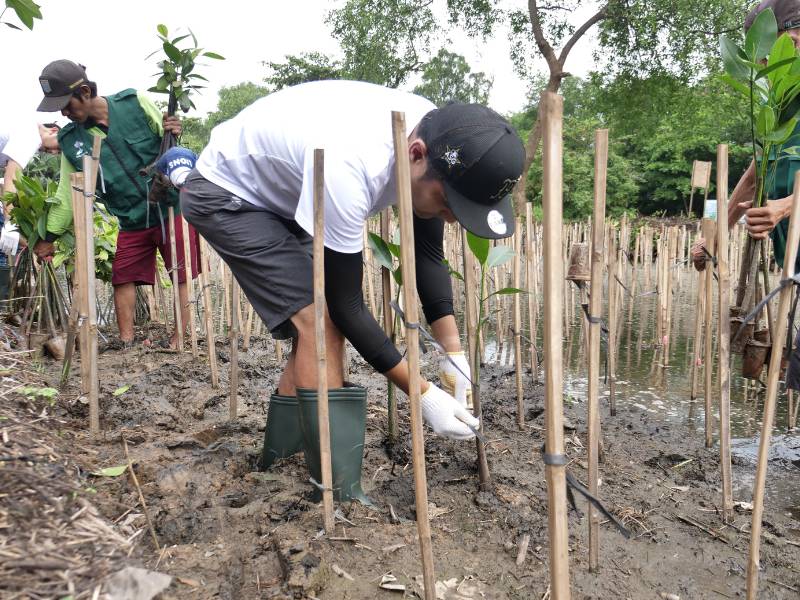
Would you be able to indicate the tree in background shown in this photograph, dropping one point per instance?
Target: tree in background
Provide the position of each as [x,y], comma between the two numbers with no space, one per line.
[26,10]
[448,76]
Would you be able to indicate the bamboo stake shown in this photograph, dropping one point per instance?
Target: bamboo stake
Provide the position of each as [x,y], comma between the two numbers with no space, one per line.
[723,333]
[530,263]
[248,328]
[698,331]
[708,235]
[772,390]
[322,351]
[551,107]
[612,324]
[233,400]
[175,285]
[187,267]
[518,326]
[595,308]
[403,177]
[208,312]
[388,327]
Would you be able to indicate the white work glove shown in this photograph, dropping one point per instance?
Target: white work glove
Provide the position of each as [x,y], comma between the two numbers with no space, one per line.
[446,416]
[9,239]
[456,381]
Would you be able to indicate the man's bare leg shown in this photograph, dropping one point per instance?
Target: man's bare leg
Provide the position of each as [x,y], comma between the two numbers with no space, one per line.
[301,368]
[125,306]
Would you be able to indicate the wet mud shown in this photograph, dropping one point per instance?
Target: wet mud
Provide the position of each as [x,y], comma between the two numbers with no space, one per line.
[229,531]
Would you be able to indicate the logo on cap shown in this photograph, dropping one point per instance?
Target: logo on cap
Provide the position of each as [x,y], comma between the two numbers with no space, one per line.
[496,222]
[45,83]
[505,189]
[451,157]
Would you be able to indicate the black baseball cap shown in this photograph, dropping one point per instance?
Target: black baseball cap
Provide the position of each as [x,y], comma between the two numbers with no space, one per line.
[787,13]
[59,80]
[480,158]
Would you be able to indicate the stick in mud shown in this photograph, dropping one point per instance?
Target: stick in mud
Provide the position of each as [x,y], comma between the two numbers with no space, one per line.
[595,308]
[187,267]
[698,331]
[772,391]
[176,294]
[388,326]
[530,262]
[403,177]
[518,326]
[612,322]
[723,331]
[551,107]
[319,331]
[208,311]
[709,232]
[233,399]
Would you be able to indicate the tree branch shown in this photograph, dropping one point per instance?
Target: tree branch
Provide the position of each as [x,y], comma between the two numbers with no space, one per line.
[544,47]
[580,31]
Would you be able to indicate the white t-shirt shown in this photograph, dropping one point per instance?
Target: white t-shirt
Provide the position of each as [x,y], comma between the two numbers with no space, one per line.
[19,141]
[265,155]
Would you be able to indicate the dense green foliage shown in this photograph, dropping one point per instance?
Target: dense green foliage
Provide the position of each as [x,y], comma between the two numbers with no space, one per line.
[448,76]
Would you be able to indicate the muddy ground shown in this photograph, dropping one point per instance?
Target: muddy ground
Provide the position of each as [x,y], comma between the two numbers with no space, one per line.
[232,532]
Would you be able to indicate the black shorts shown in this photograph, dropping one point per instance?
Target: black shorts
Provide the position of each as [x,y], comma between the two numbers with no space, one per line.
[270,256]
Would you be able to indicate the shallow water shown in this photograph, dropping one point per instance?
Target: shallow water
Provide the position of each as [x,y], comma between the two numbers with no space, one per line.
[644,385]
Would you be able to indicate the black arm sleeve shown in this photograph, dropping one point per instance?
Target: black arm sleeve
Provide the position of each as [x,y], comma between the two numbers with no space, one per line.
[433,276]
[343,273]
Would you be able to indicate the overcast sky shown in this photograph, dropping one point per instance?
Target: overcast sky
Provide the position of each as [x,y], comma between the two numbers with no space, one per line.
[112,38]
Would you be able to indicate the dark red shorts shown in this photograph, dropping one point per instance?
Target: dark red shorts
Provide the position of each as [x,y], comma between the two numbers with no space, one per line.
[135,261]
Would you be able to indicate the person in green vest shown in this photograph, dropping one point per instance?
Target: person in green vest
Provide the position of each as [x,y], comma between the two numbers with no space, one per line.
[771,219]
[131,128]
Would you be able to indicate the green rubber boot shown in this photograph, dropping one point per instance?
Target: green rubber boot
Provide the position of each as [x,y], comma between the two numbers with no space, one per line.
[347,408]
[282,436]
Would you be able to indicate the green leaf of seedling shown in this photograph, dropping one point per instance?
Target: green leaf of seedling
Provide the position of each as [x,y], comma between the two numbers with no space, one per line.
[761,36]
[508,291]
[777,69]
[111,471]
[172,52]
[179,39]
[121,389]
[499,255]
[398,276]
[735,84]
[765,121]
[734,66]
[479,247]
[214,55]
[381,250]
[451,271]
[162,29]
[783,133]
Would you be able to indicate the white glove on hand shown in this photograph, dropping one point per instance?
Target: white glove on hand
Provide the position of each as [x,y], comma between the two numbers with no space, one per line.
[9,239]
[446,416]
[455,381]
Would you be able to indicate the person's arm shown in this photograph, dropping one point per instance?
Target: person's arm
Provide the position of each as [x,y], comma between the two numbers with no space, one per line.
[9,177]
[742,196]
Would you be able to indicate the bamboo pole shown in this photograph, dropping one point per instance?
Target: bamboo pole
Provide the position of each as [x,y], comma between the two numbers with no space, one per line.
[723,332]
[403,177]
[530,262]
[187,266]
[518,325]
[708,234]
[208,312]
[388,327]
[248,327]
[698,331]
[612,323]
[175,285]
[233,334]
[595,308]
[322,351]
[551,107]
[772,390]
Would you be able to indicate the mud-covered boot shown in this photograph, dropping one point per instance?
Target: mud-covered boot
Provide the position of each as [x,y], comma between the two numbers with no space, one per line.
[347,408]
[282,436]
[5,282]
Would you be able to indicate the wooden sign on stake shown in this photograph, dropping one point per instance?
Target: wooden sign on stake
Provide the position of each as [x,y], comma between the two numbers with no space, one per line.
[784,300]
[551,107]
[319,330]
[723,332]
[701,177]
[403,177]
[595,308]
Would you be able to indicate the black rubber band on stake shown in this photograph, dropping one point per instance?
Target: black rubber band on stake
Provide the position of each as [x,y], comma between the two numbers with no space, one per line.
[556,460]
[794,279]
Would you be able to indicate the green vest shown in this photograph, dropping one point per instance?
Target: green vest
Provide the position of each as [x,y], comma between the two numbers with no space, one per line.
[779,184]
[130,145]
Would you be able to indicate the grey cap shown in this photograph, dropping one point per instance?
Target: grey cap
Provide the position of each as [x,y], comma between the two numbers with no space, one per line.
[787,13]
